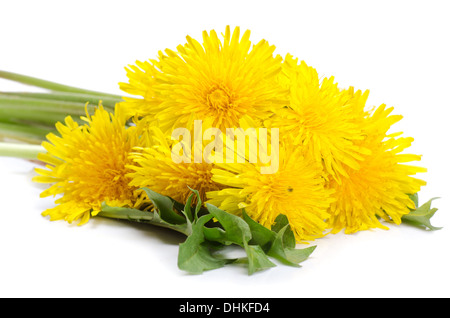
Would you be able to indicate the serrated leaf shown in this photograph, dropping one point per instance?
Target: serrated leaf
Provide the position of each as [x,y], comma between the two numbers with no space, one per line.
[256,258]
[194,255]
[165,207]
[136,215]
[235,229]
[216,234]
[279,242]
[298,255]
[261,235]
[126,213]
[281,222]
[421,216]
[285,253]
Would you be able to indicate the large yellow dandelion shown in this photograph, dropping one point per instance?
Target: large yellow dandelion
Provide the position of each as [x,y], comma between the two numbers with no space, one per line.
[87,165]
[380,188]
[224,82]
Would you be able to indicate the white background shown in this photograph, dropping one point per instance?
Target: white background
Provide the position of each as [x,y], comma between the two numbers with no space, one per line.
[397,49]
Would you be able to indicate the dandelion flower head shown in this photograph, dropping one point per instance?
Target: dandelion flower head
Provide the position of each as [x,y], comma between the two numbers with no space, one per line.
[321,117]
[380,188]
[86,166]
[164,170]
[224,82]
[297,190]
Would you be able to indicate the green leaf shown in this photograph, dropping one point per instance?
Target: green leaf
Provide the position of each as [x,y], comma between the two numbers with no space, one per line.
[261,235]
[136,215]
[194,256]
[126,213]
[187,208]
[235,229]
[421,216]
[279,242]
[298,255]
[165,207]
[257,259]
[286,253]
[288,237]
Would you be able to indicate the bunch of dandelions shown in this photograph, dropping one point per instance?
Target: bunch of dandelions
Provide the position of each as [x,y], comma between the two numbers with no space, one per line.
[337,164]
[340,166]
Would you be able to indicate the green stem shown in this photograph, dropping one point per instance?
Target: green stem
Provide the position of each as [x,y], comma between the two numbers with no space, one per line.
[43,127]
[47,112]
[34,105]
[41,117]
[23,151]
[65,97]
[33,81]
[25,133]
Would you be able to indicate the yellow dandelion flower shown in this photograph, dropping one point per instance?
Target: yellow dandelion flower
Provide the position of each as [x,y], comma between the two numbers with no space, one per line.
[297,190]
[141,82]
[381,186]
[86,166]
[321,117]
[155,168]
[225,83]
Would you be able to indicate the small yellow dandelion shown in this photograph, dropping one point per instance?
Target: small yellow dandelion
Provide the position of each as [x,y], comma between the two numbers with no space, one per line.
[380,188]
[87,165]
[155,168]
[321,117]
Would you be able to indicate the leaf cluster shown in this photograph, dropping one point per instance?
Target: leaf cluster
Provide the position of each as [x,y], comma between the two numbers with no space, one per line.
[210,229]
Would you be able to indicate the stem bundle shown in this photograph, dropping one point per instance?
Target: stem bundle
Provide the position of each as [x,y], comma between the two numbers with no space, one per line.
[28,117]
